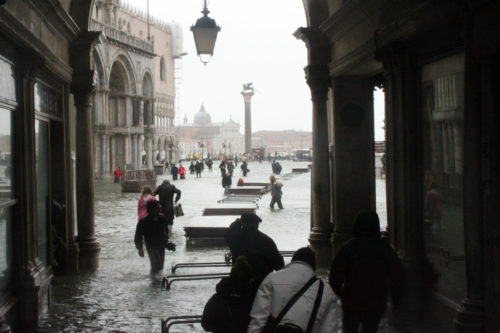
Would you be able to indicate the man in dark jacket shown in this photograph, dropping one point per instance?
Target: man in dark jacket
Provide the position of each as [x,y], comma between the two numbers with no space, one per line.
[152,229]
[363,272]
[244,239]
[276,192]
[226,181]
[166,193]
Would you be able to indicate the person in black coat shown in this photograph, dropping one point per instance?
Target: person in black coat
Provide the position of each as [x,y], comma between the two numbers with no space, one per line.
[166,193]
[228,310]
[198,168]
[174,171]
[244,238]
[226,181]
[152,230]
[363,272]
[244,168]
[222,167]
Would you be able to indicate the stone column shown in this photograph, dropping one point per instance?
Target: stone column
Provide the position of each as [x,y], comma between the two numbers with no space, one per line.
[319,82]
[127,147]
[479,75]
[353,153]
[134,151]
[89,247]
[149,153]
[247,96]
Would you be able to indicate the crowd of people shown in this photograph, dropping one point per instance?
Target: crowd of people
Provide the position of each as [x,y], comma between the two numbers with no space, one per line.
[262,294]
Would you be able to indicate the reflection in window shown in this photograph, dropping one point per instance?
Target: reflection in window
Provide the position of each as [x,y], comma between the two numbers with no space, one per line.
[42,187]
[442,103]
[6,253]
[6,170]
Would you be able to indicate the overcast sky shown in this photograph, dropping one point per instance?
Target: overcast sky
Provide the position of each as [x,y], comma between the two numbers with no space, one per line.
[256,44]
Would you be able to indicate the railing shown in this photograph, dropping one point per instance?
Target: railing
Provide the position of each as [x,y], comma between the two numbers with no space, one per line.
[122,36]
[167,281]
[177,320]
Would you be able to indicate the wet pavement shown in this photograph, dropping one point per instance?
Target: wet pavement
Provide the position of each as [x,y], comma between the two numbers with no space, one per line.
[121,296]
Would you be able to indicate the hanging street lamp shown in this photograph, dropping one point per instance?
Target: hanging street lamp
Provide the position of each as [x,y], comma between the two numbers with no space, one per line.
[205,33]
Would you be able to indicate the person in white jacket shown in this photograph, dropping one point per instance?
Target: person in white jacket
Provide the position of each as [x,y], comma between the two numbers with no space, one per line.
[278,287]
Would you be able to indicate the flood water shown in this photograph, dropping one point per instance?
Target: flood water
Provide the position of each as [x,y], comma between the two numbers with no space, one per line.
[121,296]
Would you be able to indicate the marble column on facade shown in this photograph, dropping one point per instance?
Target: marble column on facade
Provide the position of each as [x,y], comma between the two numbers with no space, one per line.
[134,151]
[319,237]
[128,149]
[149,153]
[353,153]
[97,150]
[112,148]
[89,247]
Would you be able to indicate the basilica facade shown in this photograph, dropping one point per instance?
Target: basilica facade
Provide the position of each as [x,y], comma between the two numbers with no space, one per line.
[217,139]
[133,104]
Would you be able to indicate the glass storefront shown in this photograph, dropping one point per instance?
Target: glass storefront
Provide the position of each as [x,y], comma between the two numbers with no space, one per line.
[443,113]
[7,107]
[6,253]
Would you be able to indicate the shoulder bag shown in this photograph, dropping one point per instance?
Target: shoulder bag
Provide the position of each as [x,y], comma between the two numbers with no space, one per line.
[273,324]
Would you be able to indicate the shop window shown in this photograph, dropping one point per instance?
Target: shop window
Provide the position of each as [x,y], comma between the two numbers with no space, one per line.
[6,253]
[443,110]
[7,198]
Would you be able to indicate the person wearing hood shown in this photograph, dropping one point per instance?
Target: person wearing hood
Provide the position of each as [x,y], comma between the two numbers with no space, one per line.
[304,315]
[244,238]
[174,171]
[363,272]
[152,230]
[228,310]
[276,192]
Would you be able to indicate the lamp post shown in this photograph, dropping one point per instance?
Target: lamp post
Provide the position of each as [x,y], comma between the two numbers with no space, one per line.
[205,33]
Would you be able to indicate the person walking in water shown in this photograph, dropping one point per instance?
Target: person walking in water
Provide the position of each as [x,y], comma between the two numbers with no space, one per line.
[174,171]
[166,193]
[363,272]
[244,168]
[182,172]
[117,174]
[146,195]
[152,230]
[276,192]
[198,167]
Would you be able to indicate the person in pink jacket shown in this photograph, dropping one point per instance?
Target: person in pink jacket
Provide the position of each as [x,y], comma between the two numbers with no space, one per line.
[146,195]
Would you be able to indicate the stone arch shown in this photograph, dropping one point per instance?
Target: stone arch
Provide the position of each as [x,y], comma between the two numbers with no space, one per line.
[126,62]
[316,11]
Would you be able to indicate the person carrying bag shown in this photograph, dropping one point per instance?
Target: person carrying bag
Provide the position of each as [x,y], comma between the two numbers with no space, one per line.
[311,309]
[273,324]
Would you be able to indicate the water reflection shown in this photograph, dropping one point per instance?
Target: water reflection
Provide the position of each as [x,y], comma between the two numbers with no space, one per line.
[121,296]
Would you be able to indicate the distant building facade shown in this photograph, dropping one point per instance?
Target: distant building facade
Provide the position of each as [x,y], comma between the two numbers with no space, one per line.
[282,143]
[215,138]
[134,102]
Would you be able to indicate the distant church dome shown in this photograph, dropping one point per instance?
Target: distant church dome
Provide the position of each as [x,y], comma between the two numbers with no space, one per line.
[202,117]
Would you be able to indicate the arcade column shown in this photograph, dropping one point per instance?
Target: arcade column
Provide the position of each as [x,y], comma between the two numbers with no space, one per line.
[353,168]
[319,82]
